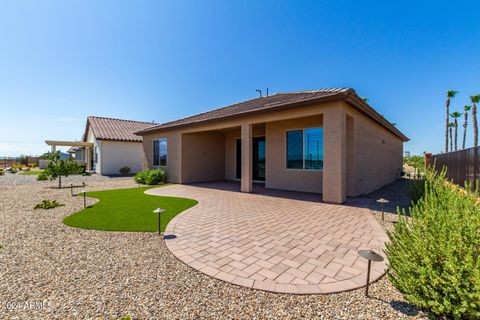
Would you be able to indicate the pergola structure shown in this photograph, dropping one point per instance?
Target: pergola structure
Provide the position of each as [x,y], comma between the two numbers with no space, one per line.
[87,145]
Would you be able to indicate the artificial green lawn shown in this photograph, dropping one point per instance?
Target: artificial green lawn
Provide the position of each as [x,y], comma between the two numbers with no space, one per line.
[127,210]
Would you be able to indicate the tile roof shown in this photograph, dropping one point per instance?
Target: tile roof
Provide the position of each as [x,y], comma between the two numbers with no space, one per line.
[278,100]
[115,129]
[256,104]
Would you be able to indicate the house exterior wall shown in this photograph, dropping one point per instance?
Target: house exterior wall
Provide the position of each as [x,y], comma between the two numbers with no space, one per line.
[203,156]
[377,156]
[359,154]
[277,174]
[174,154]
[114,155]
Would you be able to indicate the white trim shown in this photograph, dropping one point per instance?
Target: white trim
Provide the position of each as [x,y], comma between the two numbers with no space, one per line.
[303,149]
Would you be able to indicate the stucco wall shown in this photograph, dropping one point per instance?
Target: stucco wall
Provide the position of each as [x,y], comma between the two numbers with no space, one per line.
[116,154]
[174,159]
[203,156]
[372,155]
[277,175]
[377,155]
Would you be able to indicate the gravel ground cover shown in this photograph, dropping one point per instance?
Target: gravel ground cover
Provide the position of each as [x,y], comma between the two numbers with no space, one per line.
[51,271]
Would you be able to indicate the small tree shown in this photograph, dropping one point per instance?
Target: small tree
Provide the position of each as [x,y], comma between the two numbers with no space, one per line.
[59,167]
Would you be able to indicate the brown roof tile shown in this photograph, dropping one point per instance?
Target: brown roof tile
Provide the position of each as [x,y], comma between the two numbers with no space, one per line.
[116,129]
[256,104]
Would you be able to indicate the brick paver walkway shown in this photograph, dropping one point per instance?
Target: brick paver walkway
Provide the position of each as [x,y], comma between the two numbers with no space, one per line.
[275,241]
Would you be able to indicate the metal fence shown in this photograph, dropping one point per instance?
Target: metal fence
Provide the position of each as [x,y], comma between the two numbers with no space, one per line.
[462,165]
[6,162]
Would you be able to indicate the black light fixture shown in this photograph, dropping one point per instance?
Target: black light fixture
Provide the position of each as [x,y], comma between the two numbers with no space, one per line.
[84,198]
[383,202]
[159,211]
[370,255]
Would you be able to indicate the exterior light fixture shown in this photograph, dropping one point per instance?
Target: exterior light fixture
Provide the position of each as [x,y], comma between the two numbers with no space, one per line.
[383,202]
[370,255]
[71,189]
[159,211]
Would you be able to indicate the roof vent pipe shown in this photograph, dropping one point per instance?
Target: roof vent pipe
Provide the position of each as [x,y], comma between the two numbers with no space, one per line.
[260,92]
[267,92]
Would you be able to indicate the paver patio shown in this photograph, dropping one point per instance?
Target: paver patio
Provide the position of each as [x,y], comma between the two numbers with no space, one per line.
[276,241]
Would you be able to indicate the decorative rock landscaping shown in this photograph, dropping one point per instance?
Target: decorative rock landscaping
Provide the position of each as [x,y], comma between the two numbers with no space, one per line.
[49,270]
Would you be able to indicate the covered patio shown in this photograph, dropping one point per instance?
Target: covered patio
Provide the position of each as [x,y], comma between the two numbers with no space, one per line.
[88,148]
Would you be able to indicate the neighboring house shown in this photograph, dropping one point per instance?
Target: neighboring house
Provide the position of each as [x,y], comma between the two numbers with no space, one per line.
[115,144]
[326,141]
[109,144]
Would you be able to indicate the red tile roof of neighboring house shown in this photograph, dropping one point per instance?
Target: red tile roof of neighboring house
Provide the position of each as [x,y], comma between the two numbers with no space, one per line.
[278,101]
[115,129]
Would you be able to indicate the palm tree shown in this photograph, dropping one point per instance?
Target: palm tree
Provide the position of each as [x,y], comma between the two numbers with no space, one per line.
[466,108]
[455,115]
[450,126]
[475,99]
[450,95]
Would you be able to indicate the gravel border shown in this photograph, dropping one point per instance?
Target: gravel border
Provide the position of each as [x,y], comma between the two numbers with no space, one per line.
[75,273]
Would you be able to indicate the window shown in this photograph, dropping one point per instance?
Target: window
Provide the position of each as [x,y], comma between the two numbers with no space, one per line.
[295,149]
[305,149]
[160,152]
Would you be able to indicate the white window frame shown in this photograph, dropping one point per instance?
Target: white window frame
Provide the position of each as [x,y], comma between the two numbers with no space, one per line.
[303,149]
[153,153]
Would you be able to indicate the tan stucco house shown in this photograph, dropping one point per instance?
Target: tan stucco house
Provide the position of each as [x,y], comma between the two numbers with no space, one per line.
[325,141]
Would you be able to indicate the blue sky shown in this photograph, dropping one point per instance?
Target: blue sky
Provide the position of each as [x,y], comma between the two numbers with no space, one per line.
[150,60]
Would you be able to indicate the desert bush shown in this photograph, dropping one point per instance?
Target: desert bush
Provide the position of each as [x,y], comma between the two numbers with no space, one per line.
[156,176]
[151,177]
[47,204]
[1,172]
[434,256]
[13,170]
[124,170]
[416,188]
[42,176]
[141,176]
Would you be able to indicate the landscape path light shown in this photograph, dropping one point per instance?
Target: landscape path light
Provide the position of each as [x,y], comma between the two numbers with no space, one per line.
[383,202]
[159,211]
[370,255]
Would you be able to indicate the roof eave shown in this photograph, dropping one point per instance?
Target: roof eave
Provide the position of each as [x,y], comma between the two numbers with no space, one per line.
[360,105]
[332,97]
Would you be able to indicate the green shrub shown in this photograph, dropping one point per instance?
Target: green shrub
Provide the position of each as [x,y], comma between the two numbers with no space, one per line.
[47,204]
[12,170]
[151,177]
[124,170]
[1,172]
[416,188]
[156,176]
[434,257]
[141,177]
[42,176]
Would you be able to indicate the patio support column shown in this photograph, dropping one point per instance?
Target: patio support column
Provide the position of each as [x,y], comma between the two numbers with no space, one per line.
[87,159]
[246,183]
[335,151]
